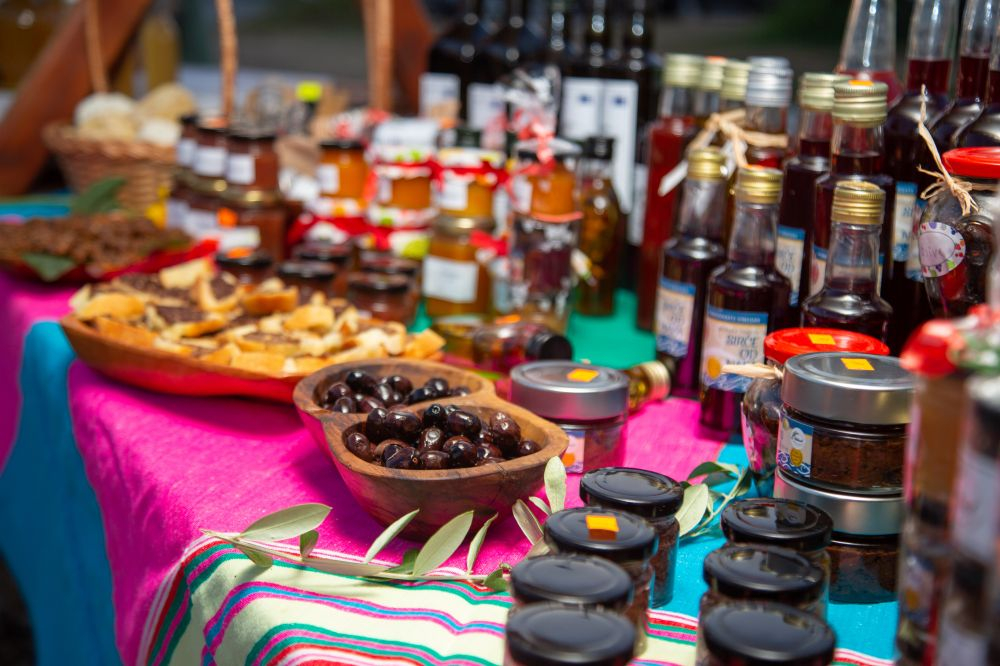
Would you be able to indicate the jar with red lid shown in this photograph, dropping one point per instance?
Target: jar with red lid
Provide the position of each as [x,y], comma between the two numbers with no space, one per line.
[467,179]
[385,297]
[342,169]
[251,160]
[761,406]
[956,247]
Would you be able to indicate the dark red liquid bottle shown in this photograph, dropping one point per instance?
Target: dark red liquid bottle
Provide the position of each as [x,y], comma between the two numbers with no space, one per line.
[969,93]
[868,51]
[747,299]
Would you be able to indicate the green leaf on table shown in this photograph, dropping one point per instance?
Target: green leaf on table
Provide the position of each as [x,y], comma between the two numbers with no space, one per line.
[406,566]
[262,560]
[287,523]
[443,543]
[712,467]
[100,197]
[537,549]
[693,508]
[389,534]
[527,521]
[49,267]
[477,543]
[307,542]
[496,582]
[541,504]
[344,568]
[555,483]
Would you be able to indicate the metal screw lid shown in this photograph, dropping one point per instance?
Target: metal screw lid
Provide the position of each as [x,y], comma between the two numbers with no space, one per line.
[707,164]
[573,531]
[682,70]
[556,635]
[769,84]
[761,633]
[861,103]
[567,390]
[712,73]
[776,522]
[757,184]
[769,61]
[638,491]
[763,573]
[857,202]
[573,580]
[860,515]
[734,80]
[816,90]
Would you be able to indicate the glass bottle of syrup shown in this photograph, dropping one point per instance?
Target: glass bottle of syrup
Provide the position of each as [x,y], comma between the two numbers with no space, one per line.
[984,131]
[798,196]
[601,230]
[747,298]
[706,95]
[857,152]
[668,138]
[694,251]
[868,51]
[449,62]
[849,298]
[979,24]
[558,45]
[734,85]
[769,91]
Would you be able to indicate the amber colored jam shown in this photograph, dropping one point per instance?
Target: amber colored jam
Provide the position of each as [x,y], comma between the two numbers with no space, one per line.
[252,163]
[455,282]
[552,191]
[270,219]
[342,170]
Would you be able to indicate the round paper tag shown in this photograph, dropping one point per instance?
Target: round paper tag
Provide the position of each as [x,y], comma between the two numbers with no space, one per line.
[942,249]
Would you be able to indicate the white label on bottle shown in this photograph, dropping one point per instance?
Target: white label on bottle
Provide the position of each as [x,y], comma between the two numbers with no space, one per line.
[942,249]
[788,257]
[913,258]
[233,238]
[620,109]
[185,151]
[674,313]
[439,94]
[176,213]
[240,169]
[731,337]
[501,210]
[450,280]
[210,161]
[573,456]
[201,223]
[383,189]
[581,109]
[976,494]
[485,104]
[637,216]
[454,193]
[902,220]
[961,646]
[795,440]
[328,176]
[520,189]
[817,269]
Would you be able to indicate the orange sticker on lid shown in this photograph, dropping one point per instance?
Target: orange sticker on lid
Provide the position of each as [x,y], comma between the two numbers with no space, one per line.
[582,375]
[857,364]
[602,527]
[227,218]
[239,252]
[822,339]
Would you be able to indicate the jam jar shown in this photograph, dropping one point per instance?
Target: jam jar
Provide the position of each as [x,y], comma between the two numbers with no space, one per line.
[626,540]
[956,250]
[864,545]
[339,255]
[843,424]
[180,194]
[651,496]
[251,161]
[553,635]
[763,573]
[778,522]
[761,406]
[583,581]
[455,277]
[403,176]
[467,180]
[309,276]
[742,633]
[262,211]
[589,402]
[207,180]
[247,265]
[342,169]
[385,297]
[500,347]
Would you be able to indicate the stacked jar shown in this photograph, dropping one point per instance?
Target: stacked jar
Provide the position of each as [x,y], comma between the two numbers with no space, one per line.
[181,193]
[252,200]
[341,173]
[208,183]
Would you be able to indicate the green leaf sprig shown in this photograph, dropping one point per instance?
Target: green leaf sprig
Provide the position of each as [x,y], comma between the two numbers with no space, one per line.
[702,503]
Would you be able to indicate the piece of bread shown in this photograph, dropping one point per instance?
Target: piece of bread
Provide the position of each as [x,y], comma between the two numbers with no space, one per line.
[172,347]
[125,333]
[119,306]
[184,276]
[423,344]
[224,355]
[317,318]
[262,362]
[357,354]
[267,342]
[306,365]
[212,323]
[260,303]
[207,299]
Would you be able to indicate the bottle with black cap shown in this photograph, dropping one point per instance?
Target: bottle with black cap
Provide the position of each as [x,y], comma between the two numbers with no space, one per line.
[602,230]
[765,633]
[553,635]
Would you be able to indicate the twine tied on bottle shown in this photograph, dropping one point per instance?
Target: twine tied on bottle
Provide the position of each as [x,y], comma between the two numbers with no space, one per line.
[753,370]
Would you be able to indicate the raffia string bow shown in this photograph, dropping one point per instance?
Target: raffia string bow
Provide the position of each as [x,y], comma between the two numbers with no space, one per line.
[753,370]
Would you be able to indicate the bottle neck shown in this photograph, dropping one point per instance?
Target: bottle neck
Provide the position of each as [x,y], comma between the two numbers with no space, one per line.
[930,45]
[639,37]
[591,168]
[935,74]
[815,132]
[726,104]
[598,34]
[973,70]
[676,102]
[870,37]
[753,238]
[853,260]
[704,103]
[767,119]
[557,28]
[702,210]
[853,146]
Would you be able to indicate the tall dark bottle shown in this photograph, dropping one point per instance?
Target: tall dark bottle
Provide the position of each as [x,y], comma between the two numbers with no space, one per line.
[637,60]
[450,61]
[694,251]
[868,50]
[747,298]
[984,131]
[558,45]
[849,298]
[798,197]
[857,152]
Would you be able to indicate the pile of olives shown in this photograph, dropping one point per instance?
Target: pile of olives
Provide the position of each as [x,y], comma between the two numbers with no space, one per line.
[443,437]
[361,392]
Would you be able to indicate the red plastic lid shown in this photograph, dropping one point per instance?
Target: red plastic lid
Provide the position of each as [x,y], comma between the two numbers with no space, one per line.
[981,162]
[784,344]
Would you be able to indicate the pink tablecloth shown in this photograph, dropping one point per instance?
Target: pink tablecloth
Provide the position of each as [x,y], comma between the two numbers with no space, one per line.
[165,466]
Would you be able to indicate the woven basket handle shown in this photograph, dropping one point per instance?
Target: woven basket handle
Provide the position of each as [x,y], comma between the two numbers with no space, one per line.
[92,37]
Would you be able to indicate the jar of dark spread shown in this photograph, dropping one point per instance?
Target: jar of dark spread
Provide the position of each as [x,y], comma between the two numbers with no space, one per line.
[571,580]
[261,210]
[763,573]
[385,297]
[181,193]
[759,633]
[339,255]
[651,496]
[247,265]
[309,276]
[553,635]
[251,162]
[388,265]
[210,152]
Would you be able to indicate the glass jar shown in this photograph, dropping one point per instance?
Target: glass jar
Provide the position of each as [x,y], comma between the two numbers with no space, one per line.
[923,568]
[247,265]
[385,297]
[626,540]
[342,170]
[553,635]
[589,402]
[251,161]
[763,573]
[760,410]
[180,194]
[309,276]
[209,163]
[956,250]
[339,255]
[501,347]
[455,278]
[467,180]
[648,382]
[402,176]
[864,546]
[458,332]
[739,633]
[261,210]
[388,265]
[776,522]
[581,581]
[843,424]
[651,496]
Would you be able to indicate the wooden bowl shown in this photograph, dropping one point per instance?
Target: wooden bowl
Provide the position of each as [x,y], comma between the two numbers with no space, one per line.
[388,494]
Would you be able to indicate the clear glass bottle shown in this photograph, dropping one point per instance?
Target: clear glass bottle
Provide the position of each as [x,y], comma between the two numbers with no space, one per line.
[985,129]
[734,85]
[769,91]
[601,229]
[868,50]
[747,299]
[559,48]
[707,94]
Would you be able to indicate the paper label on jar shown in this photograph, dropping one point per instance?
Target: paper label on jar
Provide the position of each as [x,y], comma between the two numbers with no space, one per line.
[454,193]
[572,458]
[439,95]
[383,189]
[210,161]
[788,257]
[795,441]
[619,111]
[177,210]
[328,176]
[201,223]
[233,238]
[185,151]
[942,249]
[817,269]
[450,280]
[520,191]
[731,337]
[486,105]
[902,220]
[913,270]
[637,216]
[240,169]
[674,313]
[583,101]
[977,491]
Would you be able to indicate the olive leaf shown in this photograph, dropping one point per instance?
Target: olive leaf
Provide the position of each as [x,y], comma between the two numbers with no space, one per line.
[538,549]
[443,543]
[287,523]
[477,543]
[741,486]
[389,534]
[715,473]
[406,566]
[100,197]
[555,483]
[49,267]
[260,559]
[527,521]
[693,508]
[344,568]
[307,542]
[540,503]
[496,582]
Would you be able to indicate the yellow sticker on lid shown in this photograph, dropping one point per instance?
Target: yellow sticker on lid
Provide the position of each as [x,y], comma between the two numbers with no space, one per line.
[821,339]
[857,364]
[602,527]
[582,375]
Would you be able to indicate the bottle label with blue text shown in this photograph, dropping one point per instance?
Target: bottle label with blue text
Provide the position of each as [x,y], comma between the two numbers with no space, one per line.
[817,269]
[795,446]
[788,257]
[902,220]
[731,337]
[674,312]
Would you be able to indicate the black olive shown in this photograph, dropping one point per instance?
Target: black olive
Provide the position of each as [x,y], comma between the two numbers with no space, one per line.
[460,391]
[396,398]
[401,384]
[404,458]
[434,459]
[448,409]
[369,403]
[434,415]
[403,425]
[359,445]
[360,381]
[483,437]
[506,433]
[383,392]
[461,452]
[375,427]
[345,405]
[418,395]
[338,390]
[463,423]
[387,448]
[487,452]
[358,397]
[527,447]
[431,439]
[439,385]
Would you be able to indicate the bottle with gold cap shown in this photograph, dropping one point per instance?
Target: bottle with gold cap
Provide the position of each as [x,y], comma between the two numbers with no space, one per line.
[706,95]
[798,196]
[688,258]
[733,93]
[647,382]
[747,299]
[857,152]
[668,138]
[849,298]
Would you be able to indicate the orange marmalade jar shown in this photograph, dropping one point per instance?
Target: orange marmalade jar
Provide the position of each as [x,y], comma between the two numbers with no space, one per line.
[455,280]
[342,169]
[402,176]
[468,178]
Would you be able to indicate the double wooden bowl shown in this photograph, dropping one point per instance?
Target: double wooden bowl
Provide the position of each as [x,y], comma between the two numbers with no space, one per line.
[388,494]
